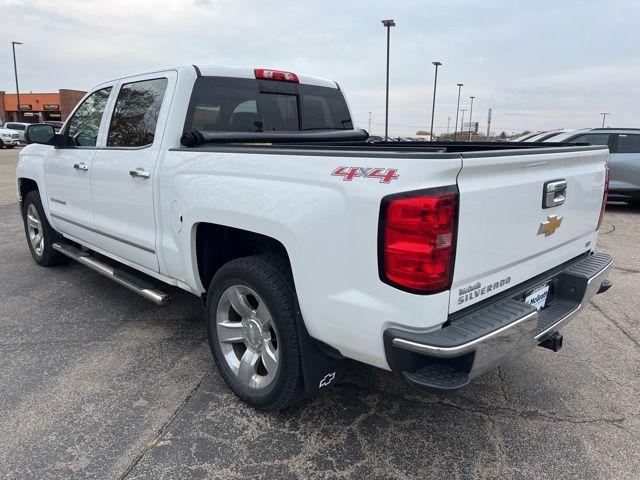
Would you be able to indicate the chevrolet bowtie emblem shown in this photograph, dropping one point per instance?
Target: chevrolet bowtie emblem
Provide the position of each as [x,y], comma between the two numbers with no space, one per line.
[550,225]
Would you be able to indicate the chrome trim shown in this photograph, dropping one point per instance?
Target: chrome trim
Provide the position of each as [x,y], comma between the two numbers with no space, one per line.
[156,296]
[593,285]
[104,234]
[139,172]
[458,350]
[512,339]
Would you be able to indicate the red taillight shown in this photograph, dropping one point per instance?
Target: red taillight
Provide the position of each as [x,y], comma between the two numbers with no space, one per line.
[418,239]
[279,75]
[604,196]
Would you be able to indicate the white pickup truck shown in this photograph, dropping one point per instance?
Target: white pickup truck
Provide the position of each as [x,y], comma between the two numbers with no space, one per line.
[308,245]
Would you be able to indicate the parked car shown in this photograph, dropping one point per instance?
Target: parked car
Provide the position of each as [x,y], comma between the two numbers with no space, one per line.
[251,189]
[9,138]
[562,137]
[18,127]
[541,137]
[624,158]
[56,124]
[522,138]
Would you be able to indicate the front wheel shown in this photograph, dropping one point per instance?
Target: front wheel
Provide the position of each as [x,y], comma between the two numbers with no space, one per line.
[9,146]
[40,235]
[252,316]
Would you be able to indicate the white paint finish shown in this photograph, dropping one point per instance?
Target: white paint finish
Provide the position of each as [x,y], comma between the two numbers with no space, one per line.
[501,211]
[71,186]
[123,205]
[329,227]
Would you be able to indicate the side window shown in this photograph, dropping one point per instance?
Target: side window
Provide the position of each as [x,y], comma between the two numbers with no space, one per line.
[135,116]
[592,138]
[83,126]
[628,144]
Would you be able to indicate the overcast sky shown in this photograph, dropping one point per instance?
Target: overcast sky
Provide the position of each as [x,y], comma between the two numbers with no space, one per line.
[539,64]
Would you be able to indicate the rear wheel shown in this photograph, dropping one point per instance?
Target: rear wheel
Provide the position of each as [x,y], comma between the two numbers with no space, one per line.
[252,316]
[40,235]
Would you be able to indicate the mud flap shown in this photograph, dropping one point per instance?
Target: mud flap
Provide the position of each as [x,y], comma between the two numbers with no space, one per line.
[321,366]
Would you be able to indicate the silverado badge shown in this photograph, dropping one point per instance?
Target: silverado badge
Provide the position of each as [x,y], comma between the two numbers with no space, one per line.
[550,225]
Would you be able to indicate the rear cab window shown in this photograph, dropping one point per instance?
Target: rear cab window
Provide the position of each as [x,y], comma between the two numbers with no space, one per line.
[224,104]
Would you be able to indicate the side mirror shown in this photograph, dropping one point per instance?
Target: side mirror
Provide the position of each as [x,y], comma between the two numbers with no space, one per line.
[40,133]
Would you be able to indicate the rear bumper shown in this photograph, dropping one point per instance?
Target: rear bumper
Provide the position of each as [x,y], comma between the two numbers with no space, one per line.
[482,339]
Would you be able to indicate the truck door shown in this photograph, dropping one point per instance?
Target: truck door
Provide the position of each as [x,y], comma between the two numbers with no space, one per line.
[124,170]
[68,170]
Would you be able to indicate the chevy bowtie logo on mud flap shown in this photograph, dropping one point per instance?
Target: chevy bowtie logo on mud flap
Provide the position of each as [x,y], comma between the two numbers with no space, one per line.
[385,175]
[328,378]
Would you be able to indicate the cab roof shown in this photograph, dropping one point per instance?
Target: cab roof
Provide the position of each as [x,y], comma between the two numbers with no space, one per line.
[226,71]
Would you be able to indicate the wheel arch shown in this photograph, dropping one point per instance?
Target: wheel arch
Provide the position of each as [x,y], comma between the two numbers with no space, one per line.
[217,244]
[26,185]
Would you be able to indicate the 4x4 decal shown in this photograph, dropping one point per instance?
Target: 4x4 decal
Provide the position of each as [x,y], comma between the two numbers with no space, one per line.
[385,175]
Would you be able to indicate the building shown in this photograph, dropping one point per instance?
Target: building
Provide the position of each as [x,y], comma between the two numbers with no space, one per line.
[38,107]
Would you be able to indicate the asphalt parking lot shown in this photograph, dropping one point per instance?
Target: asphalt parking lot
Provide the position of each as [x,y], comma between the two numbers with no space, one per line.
[95,382]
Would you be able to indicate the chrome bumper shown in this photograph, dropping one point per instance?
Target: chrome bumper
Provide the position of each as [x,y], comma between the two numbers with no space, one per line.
[493,334]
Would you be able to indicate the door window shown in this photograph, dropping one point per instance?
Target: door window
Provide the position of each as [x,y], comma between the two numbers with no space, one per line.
[135,116]
[592,138]
[85,123]
[628,144]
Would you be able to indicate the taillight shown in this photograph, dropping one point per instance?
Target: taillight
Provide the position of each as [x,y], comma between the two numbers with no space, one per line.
[279,75]
[604,196]
[417,244]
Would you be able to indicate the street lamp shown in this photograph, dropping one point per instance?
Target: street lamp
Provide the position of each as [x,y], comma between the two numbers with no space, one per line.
[433,105]
[455,130]
[462,120]
[470,116]
[388,24]
[15,71]
[604,115]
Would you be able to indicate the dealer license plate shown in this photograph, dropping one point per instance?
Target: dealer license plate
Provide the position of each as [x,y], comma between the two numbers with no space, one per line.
[537,297]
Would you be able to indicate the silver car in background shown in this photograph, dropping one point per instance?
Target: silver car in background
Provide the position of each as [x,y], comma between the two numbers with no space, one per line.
[624,158]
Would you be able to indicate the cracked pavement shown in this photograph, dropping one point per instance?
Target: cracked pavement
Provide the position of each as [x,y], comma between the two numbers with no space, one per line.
[95,382]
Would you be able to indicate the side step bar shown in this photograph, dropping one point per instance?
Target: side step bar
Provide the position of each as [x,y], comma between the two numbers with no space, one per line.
[126,279]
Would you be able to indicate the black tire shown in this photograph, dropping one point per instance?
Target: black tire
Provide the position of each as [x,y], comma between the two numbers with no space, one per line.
[270,277]
[9,146]
[48,257]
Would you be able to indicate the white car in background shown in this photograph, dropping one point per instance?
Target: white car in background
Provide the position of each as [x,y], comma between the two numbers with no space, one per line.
[568,135]
[526,136]
[9,138]
[17,127]
[541,137]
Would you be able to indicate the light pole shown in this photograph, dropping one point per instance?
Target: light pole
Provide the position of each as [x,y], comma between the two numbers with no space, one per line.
[462,120]
[433,105]
[369,123]
[15,71]
[470,116]
[388,24]
[604,115]
[455,130]
[448,122]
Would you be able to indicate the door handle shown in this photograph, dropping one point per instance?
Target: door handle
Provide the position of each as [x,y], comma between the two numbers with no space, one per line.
[81,166]
[139,172]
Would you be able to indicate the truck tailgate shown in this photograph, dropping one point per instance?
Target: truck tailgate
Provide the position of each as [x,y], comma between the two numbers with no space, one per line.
[505,235]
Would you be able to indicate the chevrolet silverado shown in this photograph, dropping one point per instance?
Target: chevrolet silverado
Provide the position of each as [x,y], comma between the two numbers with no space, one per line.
[309,245]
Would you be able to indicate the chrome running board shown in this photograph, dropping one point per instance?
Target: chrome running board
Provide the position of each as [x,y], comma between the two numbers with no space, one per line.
[126,279]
